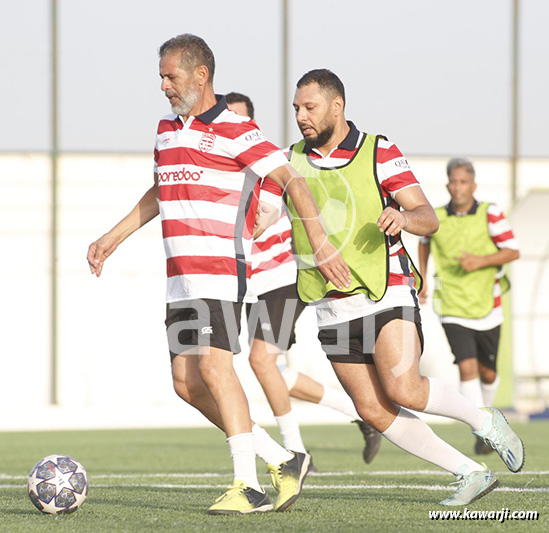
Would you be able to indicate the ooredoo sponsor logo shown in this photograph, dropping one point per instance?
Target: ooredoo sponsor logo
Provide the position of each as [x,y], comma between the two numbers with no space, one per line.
[179,175]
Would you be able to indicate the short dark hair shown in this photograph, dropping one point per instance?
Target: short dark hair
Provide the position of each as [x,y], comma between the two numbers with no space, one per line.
[194,52]
[460,162]
[235,98]
[326,80]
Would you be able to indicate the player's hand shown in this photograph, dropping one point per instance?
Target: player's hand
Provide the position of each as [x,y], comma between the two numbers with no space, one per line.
[99,251]
[267,214]
[391,221]
[470,262]
[423,294]
[331,265]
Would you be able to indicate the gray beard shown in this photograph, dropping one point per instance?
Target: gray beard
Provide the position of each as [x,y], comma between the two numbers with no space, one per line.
[185,105]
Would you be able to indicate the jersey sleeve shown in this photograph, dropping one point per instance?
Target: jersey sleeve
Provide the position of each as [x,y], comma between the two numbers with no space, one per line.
[254,151]
[393,170]
[271,193]
[155,163]
[500,230]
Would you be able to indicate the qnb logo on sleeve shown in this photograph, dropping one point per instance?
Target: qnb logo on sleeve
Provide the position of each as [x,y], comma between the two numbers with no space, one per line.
[206,330]
[254,137]
[402,163]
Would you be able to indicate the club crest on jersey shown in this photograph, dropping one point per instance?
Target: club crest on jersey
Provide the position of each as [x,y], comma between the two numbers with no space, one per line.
[206,142]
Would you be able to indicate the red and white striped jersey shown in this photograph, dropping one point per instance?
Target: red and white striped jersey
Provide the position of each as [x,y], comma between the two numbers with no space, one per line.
[209,171]
[502,236]
[273,263]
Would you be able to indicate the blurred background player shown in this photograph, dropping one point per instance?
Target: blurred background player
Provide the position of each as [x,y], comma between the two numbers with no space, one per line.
[273,281]
[470,249]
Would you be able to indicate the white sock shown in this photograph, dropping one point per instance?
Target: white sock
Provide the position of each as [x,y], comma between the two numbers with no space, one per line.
[445,401]
[289,375]
[243,456]
[414,436]
[340,401]
[268,449]
[489,391]
[289,429]
[472,391]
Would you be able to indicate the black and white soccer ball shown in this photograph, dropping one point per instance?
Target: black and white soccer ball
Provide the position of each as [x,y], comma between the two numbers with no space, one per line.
[58,484]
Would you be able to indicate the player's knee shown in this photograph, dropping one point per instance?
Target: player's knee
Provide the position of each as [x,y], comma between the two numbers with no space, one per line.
[487,375]
[260,364]
[468,369]
[209,373]
[410,397]
[371,412]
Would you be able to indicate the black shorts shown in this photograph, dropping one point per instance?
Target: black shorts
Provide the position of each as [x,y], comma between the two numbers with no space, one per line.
[192,323]
[469,343]
[272,318]
[354,341]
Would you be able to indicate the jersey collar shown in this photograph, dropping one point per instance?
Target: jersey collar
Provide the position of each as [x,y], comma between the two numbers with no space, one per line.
[471,211]
[211,114]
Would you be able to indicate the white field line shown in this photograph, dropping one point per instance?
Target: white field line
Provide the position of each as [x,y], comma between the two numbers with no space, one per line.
[208,475]
[205,475]
[307,487]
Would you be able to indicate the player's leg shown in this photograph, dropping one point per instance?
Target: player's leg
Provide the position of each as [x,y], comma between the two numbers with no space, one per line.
[463,343]
[271,325]
[305,388]
[410,433]
[263,362]
[217,372]
[263,358]
[397,352]
[488,346]
[188,385]
[339,344]
[205,333]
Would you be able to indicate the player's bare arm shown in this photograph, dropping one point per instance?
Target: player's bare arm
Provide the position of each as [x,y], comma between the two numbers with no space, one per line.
[145,210]
[329,262]
[471,262]
[418,217]
[424,250]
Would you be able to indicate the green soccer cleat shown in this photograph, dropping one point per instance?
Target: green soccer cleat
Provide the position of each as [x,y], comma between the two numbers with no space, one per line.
[288,479]
[241,499]
[504,440]
[472,486]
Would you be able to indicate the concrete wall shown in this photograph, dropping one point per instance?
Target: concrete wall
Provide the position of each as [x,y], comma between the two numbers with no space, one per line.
[112,357]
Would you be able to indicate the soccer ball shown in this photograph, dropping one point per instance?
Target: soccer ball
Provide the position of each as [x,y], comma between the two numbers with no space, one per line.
[58,484]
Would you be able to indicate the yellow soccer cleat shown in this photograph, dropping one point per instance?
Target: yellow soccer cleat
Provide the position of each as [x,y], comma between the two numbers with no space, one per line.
[288,479]
[241,499]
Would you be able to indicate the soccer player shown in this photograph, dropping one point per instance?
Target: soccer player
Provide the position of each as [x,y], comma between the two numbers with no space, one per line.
[470,249]
[371,331]
[208,165]
[274,274]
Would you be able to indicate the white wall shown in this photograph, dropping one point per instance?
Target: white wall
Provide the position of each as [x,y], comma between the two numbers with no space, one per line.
[113,359]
